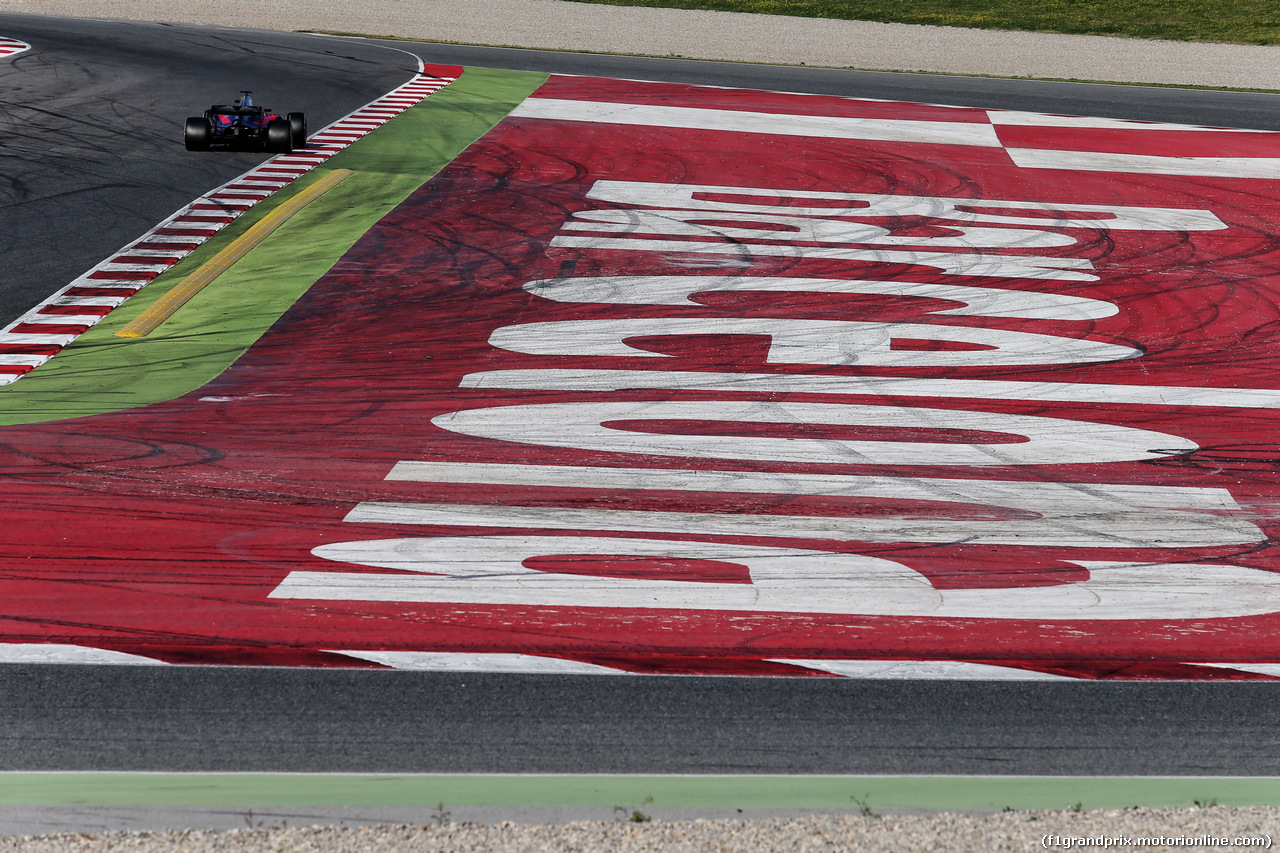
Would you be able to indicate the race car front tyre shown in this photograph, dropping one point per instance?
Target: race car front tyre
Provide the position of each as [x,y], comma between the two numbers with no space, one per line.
[298,126]
[280,136]
[198,134]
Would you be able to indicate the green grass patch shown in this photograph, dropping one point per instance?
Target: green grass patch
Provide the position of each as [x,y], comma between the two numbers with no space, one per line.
[102,373]
[1231,21]
[854,793]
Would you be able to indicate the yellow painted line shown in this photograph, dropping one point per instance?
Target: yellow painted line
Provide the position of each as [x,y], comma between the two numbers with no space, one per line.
[164,307]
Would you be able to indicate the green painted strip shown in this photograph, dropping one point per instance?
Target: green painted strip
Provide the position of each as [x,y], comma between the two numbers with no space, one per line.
[102,373]
[971,793]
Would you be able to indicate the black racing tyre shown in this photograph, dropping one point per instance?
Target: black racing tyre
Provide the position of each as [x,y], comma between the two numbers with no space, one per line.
[279,136]
[198,134]
[298,125]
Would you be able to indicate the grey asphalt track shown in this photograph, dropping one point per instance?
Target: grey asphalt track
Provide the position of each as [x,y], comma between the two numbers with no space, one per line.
[90,156]
[285,720]
[1210,108]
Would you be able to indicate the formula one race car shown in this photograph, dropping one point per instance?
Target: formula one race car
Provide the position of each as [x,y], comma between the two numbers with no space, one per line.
[244,124]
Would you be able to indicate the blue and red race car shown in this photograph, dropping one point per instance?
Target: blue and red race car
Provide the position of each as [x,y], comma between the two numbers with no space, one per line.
[244,124]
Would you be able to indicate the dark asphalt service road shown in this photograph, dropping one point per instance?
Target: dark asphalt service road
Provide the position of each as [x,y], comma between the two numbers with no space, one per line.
[91,156]
[223,719]
[91,118]
[1209,108]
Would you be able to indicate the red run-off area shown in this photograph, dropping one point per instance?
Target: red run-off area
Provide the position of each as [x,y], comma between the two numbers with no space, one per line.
[660,378]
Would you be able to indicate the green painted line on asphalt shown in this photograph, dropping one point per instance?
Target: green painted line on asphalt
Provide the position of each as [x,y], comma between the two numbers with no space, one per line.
[101,373]
[944,793]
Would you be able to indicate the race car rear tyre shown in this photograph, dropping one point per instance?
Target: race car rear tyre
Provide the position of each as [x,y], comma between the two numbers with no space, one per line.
[298,125]
[280,136]
[198,134]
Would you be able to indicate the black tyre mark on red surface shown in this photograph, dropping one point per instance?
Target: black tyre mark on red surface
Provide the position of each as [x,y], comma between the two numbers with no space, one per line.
[187,530]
